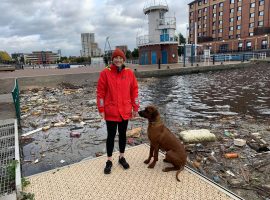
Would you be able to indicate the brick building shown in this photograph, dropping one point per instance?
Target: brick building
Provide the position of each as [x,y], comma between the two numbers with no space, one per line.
[230,25]
[41,57]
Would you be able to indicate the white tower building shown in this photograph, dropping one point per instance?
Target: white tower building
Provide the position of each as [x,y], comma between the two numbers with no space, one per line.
[160,44]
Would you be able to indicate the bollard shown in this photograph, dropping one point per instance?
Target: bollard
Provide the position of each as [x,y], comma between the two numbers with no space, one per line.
[158,63]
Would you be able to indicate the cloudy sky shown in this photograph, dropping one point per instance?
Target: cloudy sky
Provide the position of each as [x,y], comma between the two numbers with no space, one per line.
[35,25]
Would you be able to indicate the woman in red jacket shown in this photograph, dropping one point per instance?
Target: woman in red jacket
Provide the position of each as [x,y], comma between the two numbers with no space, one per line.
[117,102]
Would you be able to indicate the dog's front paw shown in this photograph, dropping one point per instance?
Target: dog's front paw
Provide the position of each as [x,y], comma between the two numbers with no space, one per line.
[152,165]
[147,161]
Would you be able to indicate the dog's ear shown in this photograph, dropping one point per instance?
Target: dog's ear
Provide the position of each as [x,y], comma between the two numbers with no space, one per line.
[154,114]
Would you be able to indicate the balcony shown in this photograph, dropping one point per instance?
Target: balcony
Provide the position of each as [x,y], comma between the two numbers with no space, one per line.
[167,23]
[156,39]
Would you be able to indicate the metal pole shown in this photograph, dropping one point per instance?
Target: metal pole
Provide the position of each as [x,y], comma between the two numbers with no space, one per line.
[196,38]
[184,55]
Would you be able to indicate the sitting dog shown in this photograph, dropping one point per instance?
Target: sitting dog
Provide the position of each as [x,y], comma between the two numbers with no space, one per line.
[162,138]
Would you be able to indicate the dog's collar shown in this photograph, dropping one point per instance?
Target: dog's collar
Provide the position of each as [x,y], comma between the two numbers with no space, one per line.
[156,122]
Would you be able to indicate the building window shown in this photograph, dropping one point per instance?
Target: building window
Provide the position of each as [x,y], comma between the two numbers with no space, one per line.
[238,18]
[199,3]
[231,28]
[251,34]
[205,1]
[260,23]
[232,10]
[220,30]
[240,46]
[238,27]
[238,36]
[220,13]
[231,1]
[214,14]
[214,6]
[204,25]
[261,2]
[199,11]
[230,36]
[214,23]
[191,6]
[221,4]
[248,45]
[220,22]
[261,13]
[205,9]
[251,25]
[251,15]
[213,31]
[231,19]
[199,19]
[264,44]
[252,5]
[190,14]
[239,8]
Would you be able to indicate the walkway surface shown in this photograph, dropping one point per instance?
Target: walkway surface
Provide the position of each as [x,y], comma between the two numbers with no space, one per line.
[7,107]
[86,180]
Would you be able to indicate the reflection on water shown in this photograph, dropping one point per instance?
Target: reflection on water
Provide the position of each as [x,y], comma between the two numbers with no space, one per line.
[210,95]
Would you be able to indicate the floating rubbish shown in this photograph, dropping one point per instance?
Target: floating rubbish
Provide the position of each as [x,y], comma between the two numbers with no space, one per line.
[36,161]
[230,173]
[75,134]
[76,128]
[62,161]
[200,135]
[239,142]
[59,124]
[45,128]
[136,132]
[98,154]
[75,118]
[216,179]
[231,155]
[227,133]
[130,141]
[31,132]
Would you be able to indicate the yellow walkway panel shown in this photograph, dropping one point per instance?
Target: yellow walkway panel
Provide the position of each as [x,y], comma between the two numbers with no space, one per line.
[86,181]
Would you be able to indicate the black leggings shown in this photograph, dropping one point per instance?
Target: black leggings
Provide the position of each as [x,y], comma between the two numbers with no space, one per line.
[111,130]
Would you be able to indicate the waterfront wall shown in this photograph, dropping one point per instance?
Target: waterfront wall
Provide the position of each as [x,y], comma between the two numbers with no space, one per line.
[6,85]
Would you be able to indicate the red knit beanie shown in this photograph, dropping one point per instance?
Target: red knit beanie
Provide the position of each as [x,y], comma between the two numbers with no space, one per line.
[118,52]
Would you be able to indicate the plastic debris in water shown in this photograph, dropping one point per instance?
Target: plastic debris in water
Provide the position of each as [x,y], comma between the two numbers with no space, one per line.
[75,134]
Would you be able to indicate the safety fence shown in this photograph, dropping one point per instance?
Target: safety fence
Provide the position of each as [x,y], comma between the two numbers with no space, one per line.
[16,100]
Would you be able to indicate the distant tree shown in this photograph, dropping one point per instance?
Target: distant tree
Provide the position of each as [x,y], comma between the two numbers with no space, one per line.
[135,53]
[181,41]
[128,54]
[5,57]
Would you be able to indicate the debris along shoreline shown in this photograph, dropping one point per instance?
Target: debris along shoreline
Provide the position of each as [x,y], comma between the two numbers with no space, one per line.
[68,130]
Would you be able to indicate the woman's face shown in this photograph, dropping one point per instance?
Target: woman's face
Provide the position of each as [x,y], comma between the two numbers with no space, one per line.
[118,61]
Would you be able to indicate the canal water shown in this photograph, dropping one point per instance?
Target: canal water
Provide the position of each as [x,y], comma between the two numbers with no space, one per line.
[210,95]
[182,100]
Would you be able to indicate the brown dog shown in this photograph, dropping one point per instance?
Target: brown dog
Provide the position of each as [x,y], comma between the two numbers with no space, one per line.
[162,138]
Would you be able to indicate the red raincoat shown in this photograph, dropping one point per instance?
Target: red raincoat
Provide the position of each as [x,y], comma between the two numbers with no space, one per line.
[117,93]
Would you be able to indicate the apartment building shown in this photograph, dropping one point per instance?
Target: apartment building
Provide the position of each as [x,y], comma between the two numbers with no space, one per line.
[89,47]
[230,25]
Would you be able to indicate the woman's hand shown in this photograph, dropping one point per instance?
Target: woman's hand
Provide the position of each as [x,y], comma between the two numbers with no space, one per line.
[102,115]
[134,114]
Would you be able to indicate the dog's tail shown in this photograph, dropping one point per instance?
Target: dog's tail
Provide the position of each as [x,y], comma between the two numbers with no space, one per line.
[178,172]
